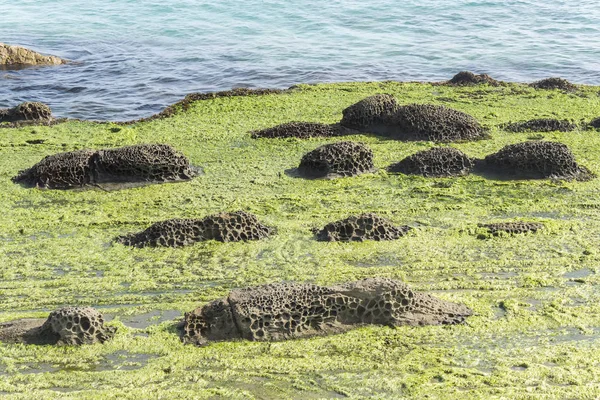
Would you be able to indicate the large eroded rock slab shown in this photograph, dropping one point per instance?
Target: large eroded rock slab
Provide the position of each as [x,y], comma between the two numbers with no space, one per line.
[15,56]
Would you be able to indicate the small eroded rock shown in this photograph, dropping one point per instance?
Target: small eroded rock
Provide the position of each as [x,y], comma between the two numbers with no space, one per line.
[437,162]
[337,160]
[367,226]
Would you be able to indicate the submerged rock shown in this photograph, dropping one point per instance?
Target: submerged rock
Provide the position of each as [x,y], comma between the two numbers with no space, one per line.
[359,228]
[302,130]
[512,227]
[18,56]
[380,114]
[541,125]
[467,78]
[28,111]
[223,227]
[66,326]
[337,160]
[139,163]
[288,310]
[554,83]
[437,162]
[535,160]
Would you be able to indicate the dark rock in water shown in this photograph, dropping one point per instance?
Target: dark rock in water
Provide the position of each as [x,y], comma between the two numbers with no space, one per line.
[437,162]
[535,160]
[541,125]
[359,228]
[223,227]
[66,326]
[28,111]
[512,227]
[288,311]
[466,78]
[139,163]
[337,160]
[302,130]
[554,83]
[381,115]
[18,56]
[595,123]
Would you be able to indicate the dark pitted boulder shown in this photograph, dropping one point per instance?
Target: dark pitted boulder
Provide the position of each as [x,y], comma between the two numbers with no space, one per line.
[337,160]
[541,125]
[66,326]
[437,162]
[359,228]
[15,56]
[139,163]
[302,130]
[467,78]
[512,227]
[59,171]
[595,123]
[554,83]
[223,227]
[144,162]
[381,115]
[535,160]
[288,311]
[28,111]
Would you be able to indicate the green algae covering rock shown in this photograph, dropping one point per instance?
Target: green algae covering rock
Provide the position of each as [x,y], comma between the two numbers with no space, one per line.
[301,130]
[139,163]
[541,125]
[288,310]
[337,160]
[467,78]
[554,83]
[27,111]
[535,160]
[381,115]
[512,227]
[367,226]
[18,56]
[65,326]
[223,227]
[437,162]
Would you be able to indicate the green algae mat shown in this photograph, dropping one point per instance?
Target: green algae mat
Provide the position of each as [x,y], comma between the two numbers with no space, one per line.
[536,297]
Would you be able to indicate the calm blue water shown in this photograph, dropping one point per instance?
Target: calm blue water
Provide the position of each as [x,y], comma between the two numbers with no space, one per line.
[137,56]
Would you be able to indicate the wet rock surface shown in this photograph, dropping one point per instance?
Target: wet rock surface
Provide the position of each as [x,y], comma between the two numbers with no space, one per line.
[223,227]
[302,130]
[541,125]
[381,115]
[534,160]
[288,310]
[595,123]
[554,83]
[437,162]
[27,111]
[18,56]
[512,227]
[146,162]
[467,78]
[362,227]
[66,326]
[336,160]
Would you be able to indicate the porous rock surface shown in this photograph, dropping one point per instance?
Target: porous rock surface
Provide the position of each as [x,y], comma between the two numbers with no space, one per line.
[535,160]
[27,111]
[595,123]
[554,83]
[380,114]
[337,160]
[66,326]
[223,227]
[17,56]
[512,227]
[541,125]
[467,78]
[436,162]
[362,227]
[288,310]
[147,162]
[302,130]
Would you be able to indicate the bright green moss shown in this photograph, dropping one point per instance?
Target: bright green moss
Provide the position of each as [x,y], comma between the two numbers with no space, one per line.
[536,296]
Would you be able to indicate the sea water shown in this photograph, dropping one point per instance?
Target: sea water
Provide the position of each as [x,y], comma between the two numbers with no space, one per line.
[134,57]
